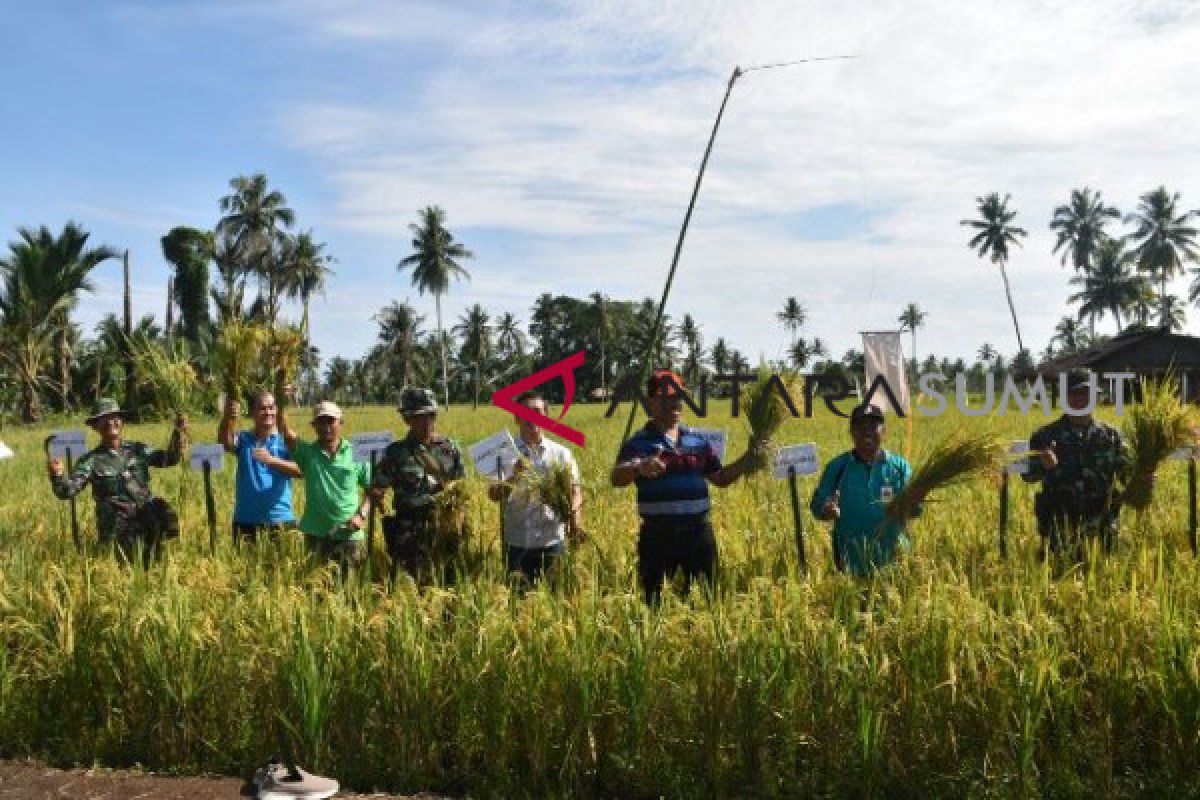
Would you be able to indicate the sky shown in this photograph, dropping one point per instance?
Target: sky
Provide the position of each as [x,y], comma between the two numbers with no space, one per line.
[562,139]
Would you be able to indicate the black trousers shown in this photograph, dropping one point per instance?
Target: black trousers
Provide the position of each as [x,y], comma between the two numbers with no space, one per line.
[683,545]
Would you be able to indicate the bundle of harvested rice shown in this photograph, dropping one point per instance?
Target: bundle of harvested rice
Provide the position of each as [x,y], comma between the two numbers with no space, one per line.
[1154,427]
[553,486]
[167,375]
[285,347]
[450,509]
[239,348]
[952,461]
[766,410]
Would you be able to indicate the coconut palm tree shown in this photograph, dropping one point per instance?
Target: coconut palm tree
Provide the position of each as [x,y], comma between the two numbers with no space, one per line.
[510,339]
[1070,335]
[255,217]
[1110,286]
[337,377]
[1171,313]
[1080,227]
[996,234]
[434,262]
[400,335]
[476,335]
[1163,240]
[693,344]
[189,250]
[911,318]
[793,316]
[601,321]
[986,353]
[304,270]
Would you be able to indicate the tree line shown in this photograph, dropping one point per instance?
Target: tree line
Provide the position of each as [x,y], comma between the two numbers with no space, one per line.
[255,259]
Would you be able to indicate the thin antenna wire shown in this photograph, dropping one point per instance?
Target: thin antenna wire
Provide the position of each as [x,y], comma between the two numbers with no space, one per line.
[801,61]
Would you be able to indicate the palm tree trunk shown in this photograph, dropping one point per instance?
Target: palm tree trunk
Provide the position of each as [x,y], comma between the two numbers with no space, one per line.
[1011,309]
[127,347]
[170,306]
[437,303]
[63,356]
[475,403]
[1117,313]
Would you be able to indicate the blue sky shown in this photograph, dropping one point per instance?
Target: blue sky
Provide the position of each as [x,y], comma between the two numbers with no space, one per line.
[562,139]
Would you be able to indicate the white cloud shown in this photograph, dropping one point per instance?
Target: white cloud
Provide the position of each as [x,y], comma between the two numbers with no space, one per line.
[583,122]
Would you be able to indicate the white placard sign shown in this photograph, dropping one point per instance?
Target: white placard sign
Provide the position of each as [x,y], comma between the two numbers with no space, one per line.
[214,454]
[1021,465]
[485,452]
[5,451]
[373,442]
[714,436]
[62,442]
[803,457]
[1185,453]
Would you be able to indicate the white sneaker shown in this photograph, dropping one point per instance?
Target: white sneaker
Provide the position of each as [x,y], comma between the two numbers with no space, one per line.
[274,782]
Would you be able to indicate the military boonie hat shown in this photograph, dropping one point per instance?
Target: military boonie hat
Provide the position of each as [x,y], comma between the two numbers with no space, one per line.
[866,411]
[104,407]
[415,400]
[326,409]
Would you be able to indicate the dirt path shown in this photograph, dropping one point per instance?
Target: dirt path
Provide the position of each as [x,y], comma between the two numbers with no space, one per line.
[30,780]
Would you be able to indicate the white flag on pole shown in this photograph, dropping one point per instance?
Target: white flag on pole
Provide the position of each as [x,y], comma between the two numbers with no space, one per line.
[884,356]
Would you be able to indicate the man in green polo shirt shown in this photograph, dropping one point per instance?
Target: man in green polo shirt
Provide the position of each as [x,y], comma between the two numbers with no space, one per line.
[336,504]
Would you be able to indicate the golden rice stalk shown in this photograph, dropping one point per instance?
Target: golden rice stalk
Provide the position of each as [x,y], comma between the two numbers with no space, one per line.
[450,509]
[239,347]
[952,461]
[166,374]
[766,410]
[284,348]
[553,486]
[1153,428]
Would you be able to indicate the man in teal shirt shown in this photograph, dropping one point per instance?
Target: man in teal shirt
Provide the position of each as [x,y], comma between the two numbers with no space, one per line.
[335,509]
[854,491]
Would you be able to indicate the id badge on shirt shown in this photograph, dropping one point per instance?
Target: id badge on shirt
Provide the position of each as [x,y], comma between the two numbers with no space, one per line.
[886,494]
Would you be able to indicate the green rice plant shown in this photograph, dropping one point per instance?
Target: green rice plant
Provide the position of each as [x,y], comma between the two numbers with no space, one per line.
[953,460]
[1154,427]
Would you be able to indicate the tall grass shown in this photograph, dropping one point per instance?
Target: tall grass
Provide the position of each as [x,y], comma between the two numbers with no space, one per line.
[954,674]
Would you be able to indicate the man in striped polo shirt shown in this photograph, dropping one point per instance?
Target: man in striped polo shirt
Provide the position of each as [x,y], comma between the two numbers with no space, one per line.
[672,469]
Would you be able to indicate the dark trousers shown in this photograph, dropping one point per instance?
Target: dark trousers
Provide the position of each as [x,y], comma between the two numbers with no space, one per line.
[684,545]
[414,546]
[145,549]
[531,562]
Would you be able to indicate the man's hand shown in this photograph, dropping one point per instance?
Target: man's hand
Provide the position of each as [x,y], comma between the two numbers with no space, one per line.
[1049,456]
[355,523]
[233,409]
[54,467]
[181,422]
[831,509]
[652,467]
[263,456]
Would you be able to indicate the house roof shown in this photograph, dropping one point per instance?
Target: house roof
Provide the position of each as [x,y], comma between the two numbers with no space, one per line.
[1141,348]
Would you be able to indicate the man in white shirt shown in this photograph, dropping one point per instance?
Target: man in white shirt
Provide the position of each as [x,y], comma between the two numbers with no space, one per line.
[534,537]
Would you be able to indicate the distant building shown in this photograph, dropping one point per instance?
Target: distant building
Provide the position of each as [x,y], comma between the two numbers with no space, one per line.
[1146,352]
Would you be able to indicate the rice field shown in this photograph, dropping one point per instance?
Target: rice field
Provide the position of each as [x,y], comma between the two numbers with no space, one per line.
[955,674]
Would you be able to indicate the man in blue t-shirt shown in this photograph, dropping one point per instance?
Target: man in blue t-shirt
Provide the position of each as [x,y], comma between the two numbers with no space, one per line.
[854,492]
[263,499]
[672,468]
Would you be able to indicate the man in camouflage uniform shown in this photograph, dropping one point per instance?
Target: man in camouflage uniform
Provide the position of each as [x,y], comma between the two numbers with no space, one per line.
[1079,460]
[416,468]
[119,474]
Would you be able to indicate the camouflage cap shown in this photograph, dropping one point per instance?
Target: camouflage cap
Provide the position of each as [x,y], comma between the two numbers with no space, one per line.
[415,400]
[1080,379]
[104,407]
